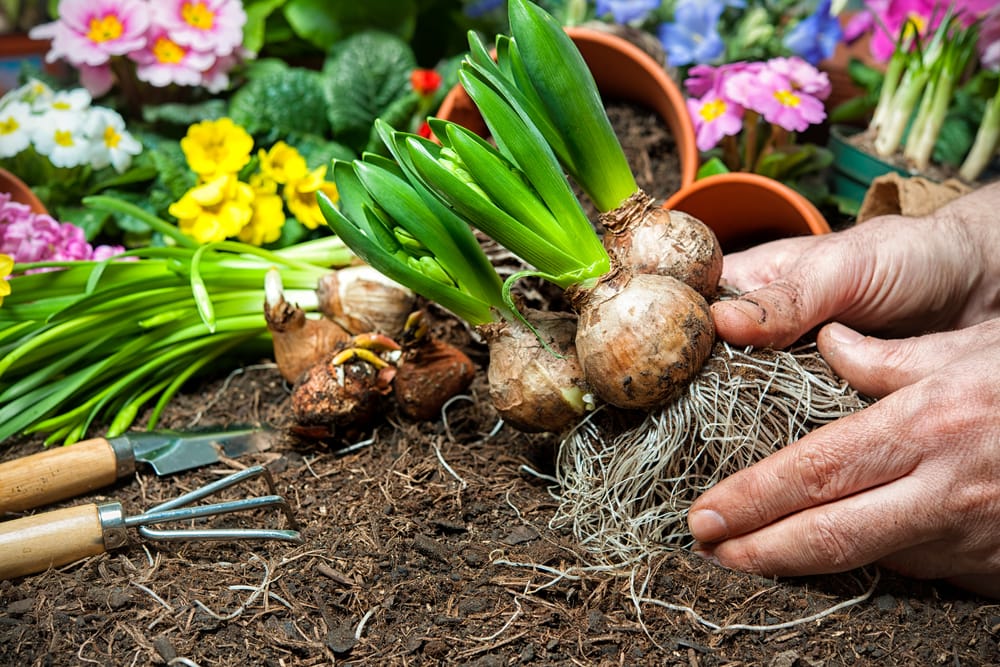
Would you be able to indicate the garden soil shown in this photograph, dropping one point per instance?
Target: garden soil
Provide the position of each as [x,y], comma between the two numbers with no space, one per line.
[430,543]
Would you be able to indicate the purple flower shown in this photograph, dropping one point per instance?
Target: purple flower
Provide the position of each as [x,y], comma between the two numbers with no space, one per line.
[30,237]
[624,11]
[815,38]
[775,98]
[693,37]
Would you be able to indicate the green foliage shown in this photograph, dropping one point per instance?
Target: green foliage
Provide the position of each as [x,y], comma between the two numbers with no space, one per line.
[363,77]
[282,100]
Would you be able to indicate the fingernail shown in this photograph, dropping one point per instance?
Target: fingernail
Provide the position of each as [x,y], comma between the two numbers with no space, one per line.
[843,335]
[707,526]
[751,309]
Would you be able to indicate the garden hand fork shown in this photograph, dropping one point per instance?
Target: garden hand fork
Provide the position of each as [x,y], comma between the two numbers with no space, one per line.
[35,543]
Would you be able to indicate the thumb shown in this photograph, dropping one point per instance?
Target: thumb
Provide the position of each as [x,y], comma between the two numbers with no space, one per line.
[775,315]
[877,367]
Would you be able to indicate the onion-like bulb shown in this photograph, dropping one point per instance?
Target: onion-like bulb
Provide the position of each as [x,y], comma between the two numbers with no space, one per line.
[363,300]
[428,374]
[641,337]
[651,239]
[299,341]
[531,387]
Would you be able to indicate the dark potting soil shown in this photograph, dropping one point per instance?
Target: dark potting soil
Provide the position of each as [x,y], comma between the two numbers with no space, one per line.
[429,543]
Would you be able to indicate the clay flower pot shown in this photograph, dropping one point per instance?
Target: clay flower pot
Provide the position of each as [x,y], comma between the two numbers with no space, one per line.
[622,72]
[745,209]
[20,192]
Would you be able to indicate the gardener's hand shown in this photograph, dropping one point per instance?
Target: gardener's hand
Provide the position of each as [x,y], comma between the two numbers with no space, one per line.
[914,480]
[893,275]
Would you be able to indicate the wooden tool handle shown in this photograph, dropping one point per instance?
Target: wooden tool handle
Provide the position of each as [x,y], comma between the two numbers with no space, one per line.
[36,543]
[56,474]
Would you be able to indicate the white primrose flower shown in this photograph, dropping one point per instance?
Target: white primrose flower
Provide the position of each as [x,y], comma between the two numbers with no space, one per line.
[62,138]
[34,93]
[15,128]
[110,143]
[70,101]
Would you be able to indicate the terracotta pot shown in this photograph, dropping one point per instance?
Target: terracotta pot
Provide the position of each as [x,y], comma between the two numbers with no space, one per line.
[622,72]
[745,209]
[20,192]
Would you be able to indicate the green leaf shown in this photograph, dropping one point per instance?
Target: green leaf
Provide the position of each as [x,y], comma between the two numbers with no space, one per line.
[253,30]
[282,101]
[567,88]
[323,23]
[366,74]
[711,167]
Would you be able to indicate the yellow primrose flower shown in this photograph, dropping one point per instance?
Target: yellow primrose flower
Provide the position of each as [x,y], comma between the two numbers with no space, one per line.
[6,266]
[283,163]
[216,147]
[301,197]
[268,212]
[214,211]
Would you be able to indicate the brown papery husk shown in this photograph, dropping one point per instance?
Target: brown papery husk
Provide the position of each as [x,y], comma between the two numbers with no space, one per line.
[363,300]
[300,342]
[332,397]
[531,387]
[641,337]
[651,239]
[428,375]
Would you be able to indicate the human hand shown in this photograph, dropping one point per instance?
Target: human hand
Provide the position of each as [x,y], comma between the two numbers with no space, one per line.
[893,275]
[911,482]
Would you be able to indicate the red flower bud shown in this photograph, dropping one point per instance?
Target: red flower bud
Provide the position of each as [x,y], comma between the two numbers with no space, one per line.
[424,130]
[425,81]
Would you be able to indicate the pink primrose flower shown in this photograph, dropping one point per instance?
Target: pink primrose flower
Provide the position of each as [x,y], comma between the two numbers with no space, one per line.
[802,75]
[164,61]
[775,98]
[97,79]
[90,32]
[212,26]
[705,78]
[30,237]
[714,117]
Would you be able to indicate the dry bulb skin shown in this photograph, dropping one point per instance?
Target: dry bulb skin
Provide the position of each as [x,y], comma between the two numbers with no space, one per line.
[363,300]
[641,337]
[531,387]
[347,391]
[651,239]
[299,341]
[429,373]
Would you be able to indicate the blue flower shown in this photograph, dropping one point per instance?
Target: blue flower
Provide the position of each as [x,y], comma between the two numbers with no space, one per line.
[624,11]
[815,37]
[693,37]
[480,8]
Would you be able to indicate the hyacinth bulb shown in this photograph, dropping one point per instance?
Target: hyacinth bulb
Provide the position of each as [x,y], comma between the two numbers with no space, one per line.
[363,300]
[533,387]
[428,375]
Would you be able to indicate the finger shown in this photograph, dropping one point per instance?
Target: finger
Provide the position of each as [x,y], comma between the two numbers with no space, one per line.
[879,367]
[840,536]
[855,453]
[755,267]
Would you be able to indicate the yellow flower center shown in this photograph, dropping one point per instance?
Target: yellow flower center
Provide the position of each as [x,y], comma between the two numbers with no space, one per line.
[711,110]
[9,125]
[111,137]
[787,98]
[105,29]
[915,23]
[64,138]
[197,15]
[168,51]
[61,105]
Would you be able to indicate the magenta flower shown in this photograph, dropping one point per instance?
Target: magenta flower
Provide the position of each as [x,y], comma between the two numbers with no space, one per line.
[90,32]
[776,99]
[164,61]
[705,78]
[802,76]
[714,117]
[30,237]
[211,26]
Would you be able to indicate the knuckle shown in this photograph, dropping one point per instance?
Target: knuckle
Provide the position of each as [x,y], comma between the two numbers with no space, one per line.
[818,474]
[828,542]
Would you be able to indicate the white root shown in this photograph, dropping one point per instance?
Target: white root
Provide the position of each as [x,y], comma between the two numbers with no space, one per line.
[624,494]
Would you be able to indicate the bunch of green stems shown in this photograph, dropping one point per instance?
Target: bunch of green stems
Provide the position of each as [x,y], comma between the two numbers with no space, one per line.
[87,343]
